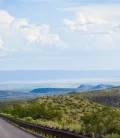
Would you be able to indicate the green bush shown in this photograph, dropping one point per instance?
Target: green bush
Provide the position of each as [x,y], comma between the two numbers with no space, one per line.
[28,119]
[105,120]
[113,136]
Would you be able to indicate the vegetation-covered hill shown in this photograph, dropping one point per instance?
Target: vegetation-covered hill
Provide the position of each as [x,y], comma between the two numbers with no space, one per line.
[109,97]
[69,111]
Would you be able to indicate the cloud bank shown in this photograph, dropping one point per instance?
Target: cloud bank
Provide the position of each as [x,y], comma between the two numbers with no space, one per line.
[22,30]
[100,23]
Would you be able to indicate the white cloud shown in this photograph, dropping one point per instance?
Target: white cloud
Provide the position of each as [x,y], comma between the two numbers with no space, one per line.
[36,33]
[2,50]
[97,25]
[80,19]
[22,30]
[39,33]
[5,17]
[87,23]
[17,23]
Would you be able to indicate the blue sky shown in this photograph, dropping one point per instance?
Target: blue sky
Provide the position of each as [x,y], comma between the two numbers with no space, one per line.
[59,34]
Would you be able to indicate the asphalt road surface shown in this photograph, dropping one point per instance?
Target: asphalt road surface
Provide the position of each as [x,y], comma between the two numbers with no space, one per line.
[9,131]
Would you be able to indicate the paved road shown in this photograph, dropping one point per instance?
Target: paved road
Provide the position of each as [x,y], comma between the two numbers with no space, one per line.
[9,131]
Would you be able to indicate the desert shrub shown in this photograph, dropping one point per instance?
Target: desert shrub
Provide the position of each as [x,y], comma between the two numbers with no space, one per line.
[103,121]
[28,119]
[113,136]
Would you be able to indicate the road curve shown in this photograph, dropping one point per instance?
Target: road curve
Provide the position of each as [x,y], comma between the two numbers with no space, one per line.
[9,131]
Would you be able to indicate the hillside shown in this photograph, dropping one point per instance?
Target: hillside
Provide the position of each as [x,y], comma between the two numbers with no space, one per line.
[109,97]
[68,111]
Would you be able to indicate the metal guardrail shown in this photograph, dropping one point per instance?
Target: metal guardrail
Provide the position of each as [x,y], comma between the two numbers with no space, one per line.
[44,130]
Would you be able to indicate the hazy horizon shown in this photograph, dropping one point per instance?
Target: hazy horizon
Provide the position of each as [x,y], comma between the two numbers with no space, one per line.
[28,80]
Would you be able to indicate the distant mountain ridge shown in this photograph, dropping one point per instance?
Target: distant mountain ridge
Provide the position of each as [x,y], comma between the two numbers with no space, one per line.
[46,90]
[9,94]
[81,88]
[84,88]
[102,86]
